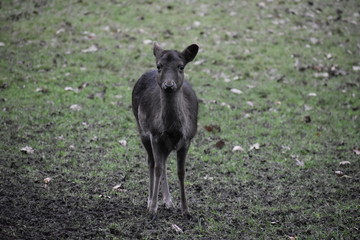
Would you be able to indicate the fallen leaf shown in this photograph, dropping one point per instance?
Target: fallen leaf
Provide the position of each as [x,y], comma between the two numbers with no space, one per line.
[83,85]
[237,91]
[321,75]
[247,115]
[117,187]
[314,40]
[123,142]
[220,144]
[237,149]
[176,228]
[212,128]
[42,90]
[196,24]
[312,94]
[251,104]
[344,163]
[47,180]
[339,173]
[261,5]
[299,163]
[307,119]
[225,105]
[71,89]
[89,35]
[285,148]
[356,68]
[357,151]
[27,150]
[104,196]
[61,30]
[208,178]
[335,71]
[318,68]
[255,146]
[92,48]
[329,56]
[76,107]
[147,41]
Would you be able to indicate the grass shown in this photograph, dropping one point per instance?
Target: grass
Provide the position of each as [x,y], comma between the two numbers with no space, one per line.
[273,51]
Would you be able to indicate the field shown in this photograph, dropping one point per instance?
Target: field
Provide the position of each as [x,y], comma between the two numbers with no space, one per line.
[277,153]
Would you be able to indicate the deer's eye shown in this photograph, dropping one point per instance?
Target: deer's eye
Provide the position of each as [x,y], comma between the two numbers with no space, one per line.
[159,66]
[181,68]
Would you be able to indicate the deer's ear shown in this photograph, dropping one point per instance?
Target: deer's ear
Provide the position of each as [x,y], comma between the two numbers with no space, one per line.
[157,49]
[190,52]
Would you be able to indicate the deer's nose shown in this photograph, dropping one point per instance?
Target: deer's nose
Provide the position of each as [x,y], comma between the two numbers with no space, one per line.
[167,85]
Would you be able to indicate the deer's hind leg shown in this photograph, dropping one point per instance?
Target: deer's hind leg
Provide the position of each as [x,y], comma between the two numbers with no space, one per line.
[181,157]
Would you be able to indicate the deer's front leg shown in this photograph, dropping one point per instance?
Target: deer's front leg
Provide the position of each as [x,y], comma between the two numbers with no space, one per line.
[181,156]
[160,154]
[165,189]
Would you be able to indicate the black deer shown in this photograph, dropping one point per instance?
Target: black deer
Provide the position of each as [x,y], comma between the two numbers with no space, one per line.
[166,108]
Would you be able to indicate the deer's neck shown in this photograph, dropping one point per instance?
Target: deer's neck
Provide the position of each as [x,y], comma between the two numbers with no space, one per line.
[172,110]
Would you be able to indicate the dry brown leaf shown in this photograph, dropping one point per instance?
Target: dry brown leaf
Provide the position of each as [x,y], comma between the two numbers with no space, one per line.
[212,128]
[307,119]
[220,144]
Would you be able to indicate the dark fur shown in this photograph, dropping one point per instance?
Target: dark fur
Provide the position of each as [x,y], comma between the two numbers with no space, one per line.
[166,108]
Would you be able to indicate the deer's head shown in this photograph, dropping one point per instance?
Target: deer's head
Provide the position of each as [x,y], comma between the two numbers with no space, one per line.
[171,64]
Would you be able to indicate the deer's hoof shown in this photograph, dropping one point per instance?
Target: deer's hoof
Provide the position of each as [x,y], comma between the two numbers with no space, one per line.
[187,215]
[168,204]
[153,216]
